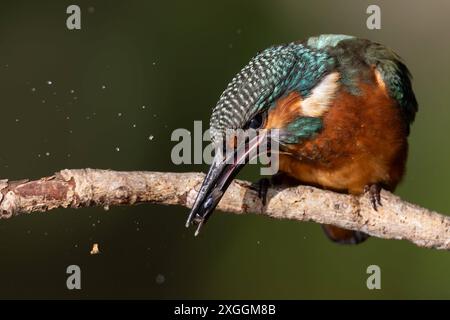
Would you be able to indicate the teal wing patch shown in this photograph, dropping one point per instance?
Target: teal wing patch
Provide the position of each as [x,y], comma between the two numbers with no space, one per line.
[397,78]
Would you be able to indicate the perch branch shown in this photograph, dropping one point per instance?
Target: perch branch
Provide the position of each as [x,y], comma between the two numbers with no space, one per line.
[396,219]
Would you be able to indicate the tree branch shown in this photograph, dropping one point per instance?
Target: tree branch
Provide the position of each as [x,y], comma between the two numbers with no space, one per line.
[396,219]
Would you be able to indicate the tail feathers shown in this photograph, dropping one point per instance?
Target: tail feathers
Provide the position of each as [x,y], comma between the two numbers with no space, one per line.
[344,236]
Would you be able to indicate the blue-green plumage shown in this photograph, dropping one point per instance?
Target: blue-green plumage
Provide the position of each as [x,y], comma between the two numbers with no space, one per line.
[398,80]
[300,129]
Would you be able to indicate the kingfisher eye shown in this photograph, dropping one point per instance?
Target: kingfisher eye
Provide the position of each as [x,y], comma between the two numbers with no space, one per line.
[257,121]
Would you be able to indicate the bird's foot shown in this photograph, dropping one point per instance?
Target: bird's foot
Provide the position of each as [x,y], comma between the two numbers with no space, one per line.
[374,195]
[262,186]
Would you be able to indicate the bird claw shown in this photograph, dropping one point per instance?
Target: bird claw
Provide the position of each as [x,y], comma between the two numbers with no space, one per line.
[262,186]
[374,195]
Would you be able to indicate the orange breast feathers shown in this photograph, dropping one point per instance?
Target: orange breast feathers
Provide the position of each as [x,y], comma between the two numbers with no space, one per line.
[363,140]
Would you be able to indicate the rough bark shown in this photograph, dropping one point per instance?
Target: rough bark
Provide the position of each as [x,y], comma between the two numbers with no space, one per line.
[395,219]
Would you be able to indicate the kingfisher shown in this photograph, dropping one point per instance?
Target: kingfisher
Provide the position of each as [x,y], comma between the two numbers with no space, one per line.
[342,106]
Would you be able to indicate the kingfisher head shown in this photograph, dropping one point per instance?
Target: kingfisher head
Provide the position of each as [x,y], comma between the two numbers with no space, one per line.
[288,88]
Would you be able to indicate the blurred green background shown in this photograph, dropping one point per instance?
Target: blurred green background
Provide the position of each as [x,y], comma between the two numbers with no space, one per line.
[175,58]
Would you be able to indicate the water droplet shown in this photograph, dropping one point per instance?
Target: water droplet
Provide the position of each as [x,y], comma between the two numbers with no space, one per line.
[49,82]
[134,125]
[151,137]
[117,149]
[119,114]
[143,107]
[103,87]
[72,91]
[47,153]
[154,63]
[67,118]
[160,279]
[17,120]
[33,89]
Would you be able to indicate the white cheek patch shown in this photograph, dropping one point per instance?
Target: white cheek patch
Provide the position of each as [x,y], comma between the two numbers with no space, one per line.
[321,96]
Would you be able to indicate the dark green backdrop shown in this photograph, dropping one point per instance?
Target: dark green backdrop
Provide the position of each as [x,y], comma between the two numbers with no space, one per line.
[176,57]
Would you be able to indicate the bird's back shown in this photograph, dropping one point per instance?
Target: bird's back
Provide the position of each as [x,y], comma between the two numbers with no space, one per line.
[356,59]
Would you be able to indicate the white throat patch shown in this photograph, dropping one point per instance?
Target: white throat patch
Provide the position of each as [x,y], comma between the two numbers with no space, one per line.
[321,96]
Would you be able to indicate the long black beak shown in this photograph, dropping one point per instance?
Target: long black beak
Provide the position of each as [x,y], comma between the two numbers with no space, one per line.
[221,173]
